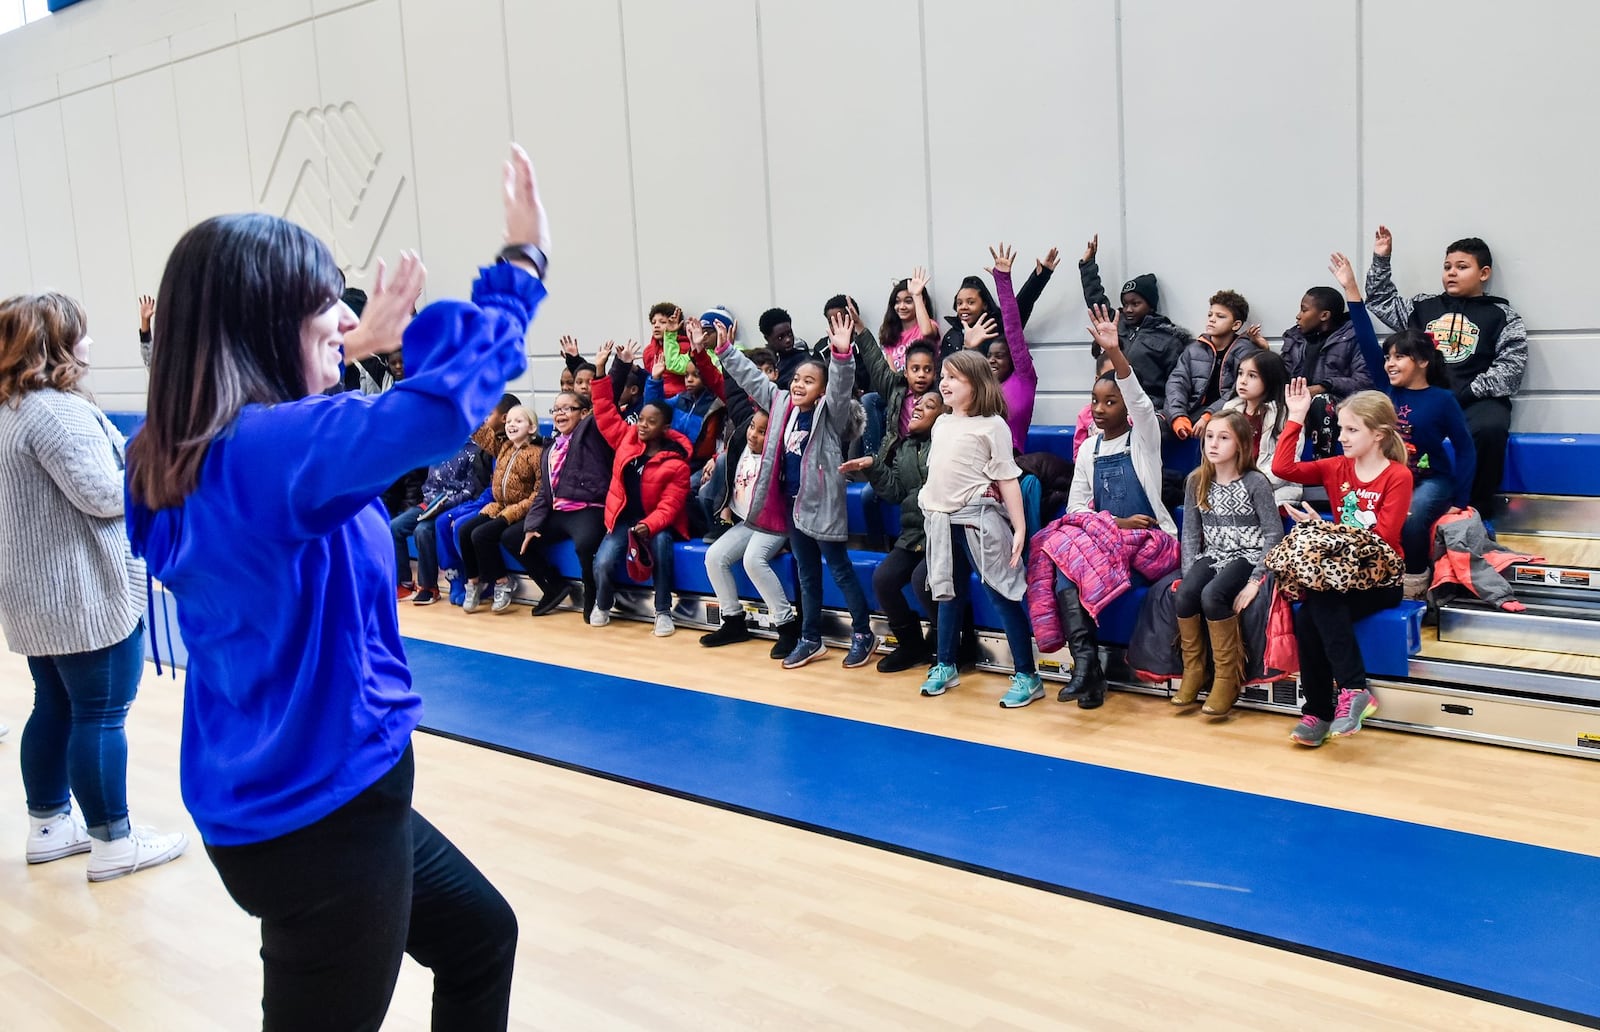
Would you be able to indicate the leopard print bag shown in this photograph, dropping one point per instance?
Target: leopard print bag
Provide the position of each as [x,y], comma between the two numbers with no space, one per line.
[1323,556]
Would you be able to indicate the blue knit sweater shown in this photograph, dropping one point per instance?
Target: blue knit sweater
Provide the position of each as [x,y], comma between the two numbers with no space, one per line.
[298,697]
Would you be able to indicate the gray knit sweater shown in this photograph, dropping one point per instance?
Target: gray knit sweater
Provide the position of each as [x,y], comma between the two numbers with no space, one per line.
[73,585]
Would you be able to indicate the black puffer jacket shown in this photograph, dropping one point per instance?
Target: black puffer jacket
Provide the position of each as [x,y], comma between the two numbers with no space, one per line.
[955,337]
[1337,366]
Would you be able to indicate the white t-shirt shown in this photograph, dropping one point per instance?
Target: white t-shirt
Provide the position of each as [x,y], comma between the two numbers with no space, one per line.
[744,483]
[968,454]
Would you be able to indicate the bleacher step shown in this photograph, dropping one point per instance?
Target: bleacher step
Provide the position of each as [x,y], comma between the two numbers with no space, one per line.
[1548,625]
[1571,516]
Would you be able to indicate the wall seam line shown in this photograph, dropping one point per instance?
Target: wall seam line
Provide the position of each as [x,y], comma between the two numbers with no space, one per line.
[633,186]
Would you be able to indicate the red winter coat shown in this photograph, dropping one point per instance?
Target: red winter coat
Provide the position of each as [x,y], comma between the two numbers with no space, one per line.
[664,482]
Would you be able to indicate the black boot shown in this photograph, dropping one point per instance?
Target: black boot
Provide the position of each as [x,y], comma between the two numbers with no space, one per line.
[910,649]
[788,638]
[1088,681]
[551,596]
[733,629]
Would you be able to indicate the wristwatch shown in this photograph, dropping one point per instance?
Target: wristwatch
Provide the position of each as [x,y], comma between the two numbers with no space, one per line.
[529,253]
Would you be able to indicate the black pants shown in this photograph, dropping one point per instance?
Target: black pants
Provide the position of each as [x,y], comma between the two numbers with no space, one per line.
[342,899]
[1489,422]
[898,569]
[584,528]
[479,540]
[1211,590]
[1324,626]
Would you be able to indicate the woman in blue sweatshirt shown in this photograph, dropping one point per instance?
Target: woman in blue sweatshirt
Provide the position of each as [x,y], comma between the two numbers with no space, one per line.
[296,754]
[1429,415]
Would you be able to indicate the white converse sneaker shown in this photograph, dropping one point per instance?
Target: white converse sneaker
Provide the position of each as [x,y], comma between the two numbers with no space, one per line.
[145,847]
[664,625]
[600,617]
[51,838]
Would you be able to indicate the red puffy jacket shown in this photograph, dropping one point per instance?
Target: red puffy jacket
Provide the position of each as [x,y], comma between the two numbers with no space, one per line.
[664,482]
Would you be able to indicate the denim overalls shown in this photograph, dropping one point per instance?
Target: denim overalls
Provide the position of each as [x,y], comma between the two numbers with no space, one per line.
[1116,485]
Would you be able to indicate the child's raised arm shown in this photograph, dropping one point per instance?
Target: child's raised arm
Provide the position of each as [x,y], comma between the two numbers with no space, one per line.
[745,373]
[918,285]
[841,369]
[1286,464]
[1011,314]
[1360,321]
[880,374]
[1385,300]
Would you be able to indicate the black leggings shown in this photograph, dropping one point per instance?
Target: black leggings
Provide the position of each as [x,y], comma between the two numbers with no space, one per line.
[898,569]
[1210,590]
[585,528]
[1330,656]
[1489,422]
[479,538]
[342,899]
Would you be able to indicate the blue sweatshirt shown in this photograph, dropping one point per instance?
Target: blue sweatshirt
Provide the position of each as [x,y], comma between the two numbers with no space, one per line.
[294,707]
[1427,418]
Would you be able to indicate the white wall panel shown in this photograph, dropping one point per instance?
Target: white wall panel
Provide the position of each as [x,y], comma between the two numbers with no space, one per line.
[216,165]
[152,170]
[47,199]
[700,195]
[845,152]
[287,146]
[581,154]
[1023,138]
[1212,206]
[16,274]
[94,164]
[461,128]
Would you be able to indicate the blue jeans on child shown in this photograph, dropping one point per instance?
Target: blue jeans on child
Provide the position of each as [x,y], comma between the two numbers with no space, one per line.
[614,549]
[877,419]
[74,740]
[952,612]
[408,525]
[1430,499]
[808,558]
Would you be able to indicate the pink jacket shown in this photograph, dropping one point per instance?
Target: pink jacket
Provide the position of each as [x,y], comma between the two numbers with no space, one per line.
[1097,556]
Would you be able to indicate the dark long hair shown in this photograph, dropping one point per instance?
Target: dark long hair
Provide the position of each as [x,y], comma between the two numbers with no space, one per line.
[990,308]
[1419,347]
[1274,383]
[236,291]
[889,333]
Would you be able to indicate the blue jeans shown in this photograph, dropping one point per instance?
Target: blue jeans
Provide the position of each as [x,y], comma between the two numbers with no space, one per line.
[75,740]
[877,417]
[407,525]
[952,612]
[1430,499]
[614,549]
[808,557]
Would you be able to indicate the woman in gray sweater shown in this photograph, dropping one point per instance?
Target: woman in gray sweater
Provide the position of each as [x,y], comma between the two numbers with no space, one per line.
[78,615]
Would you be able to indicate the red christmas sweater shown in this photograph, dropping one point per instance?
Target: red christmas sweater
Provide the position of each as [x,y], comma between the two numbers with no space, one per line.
[1379,505]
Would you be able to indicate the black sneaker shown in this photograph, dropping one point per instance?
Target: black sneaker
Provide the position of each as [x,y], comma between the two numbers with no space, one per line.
[552,600]
[734,629]
[425,597]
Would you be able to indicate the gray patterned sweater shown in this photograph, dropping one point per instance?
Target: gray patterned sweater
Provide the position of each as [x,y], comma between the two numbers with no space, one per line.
[74,585]
[1242,522]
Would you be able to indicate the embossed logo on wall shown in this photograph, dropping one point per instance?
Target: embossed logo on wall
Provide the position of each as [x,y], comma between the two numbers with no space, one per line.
[330,175]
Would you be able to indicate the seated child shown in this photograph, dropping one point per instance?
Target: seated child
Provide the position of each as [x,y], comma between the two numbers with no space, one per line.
[975,307]
[1428,414]
[970,530]
[799,488]
[575,472]
[907,319]
[1230,523]
[647,501]
[453,482]
[697,408]
[1258,396]
[1117,479]
[1203,379]
[1370,488]
[1321,349]
[514,483]
[669,342]
[1151,342]
[1085,422]
[1009,358]
[1482,342]
[899,386]
[743,542]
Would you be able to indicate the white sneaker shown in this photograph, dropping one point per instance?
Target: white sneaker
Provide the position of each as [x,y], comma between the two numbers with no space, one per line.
[139,850]
[664,625]
[600,617]
[474,594]
[51,838]
[502,597]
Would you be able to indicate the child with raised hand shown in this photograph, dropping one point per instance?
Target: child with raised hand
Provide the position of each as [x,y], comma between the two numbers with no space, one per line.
[1151,342]
[576,475]
[1118,474]
[1084,425]
[1009,358]
[698,406]
[978,317]
[1428,414]
[743,542]
[969,530]
[897,474]
[1481,339]
[1230,523]
[648,500]
[899,385]
[514,483]
[1259,397]
[1203,380]
[906,320]
[668,342]
[1370,488]
[799,489]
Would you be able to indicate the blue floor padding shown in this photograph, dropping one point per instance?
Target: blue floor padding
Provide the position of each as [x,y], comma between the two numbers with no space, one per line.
[1494,919]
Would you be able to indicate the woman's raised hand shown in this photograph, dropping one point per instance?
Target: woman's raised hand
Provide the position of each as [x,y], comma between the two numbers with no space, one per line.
[525,217]
[389,307]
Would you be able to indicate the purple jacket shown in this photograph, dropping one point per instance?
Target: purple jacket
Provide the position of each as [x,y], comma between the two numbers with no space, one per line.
[1020,388]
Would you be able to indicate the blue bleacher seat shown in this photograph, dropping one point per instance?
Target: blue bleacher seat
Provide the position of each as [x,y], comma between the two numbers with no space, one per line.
[1389,639]
[865,563]
[1560,464]
[861,508]
[1057,440]
[126,422]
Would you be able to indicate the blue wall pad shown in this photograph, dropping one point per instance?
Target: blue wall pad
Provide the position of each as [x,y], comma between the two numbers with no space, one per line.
[1491,919]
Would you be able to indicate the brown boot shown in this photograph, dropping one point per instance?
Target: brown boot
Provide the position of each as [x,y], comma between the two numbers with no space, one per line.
[1227,655]
[1192,643]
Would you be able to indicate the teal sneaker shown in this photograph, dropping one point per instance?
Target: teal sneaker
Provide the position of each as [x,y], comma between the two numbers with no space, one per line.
[1025,688]
[941,678]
